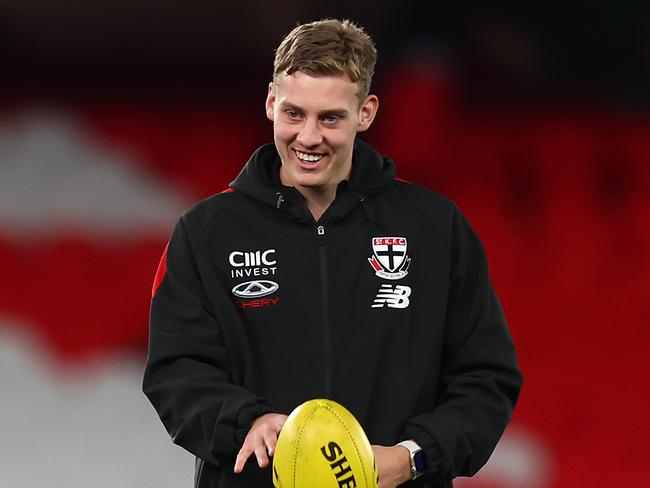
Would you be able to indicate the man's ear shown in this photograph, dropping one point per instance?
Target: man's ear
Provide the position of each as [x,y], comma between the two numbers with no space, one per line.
[270,101]
[368,111]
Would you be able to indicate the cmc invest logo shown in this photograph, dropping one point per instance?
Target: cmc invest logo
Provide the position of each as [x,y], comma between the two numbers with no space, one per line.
[239,259]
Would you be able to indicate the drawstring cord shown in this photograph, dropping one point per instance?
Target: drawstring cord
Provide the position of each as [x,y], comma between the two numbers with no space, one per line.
[280,200]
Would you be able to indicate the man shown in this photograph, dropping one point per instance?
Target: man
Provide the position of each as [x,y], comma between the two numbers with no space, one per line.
[319,275]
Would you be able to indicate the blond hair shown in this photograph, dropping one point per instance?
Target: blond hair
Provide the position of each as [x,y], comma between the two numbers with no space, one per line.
[328,47]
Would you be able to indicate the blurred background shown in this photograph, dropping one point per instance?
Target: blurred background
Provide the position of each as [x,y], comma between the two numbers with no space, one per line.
[116,116]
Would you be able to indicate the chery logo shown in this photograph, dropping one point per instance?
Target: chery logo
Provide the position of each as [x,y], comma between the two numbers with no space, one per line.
[257,288]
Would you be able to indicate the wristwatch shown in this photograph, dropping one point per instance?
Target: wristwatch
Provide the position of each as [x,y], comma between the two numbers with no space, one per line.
[418,463]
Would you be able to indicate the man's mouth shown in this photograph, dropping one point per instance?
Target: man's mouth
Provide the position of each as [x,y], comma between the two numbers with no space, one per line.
[308,158]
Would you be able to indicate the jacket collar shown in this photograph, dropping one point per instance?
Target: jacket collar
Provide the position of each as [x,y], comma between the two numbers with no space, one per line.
[260,179]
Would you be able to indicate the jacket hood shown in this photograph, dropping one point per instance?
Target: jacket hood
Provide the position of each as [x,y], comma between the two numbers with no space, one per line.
[260,177]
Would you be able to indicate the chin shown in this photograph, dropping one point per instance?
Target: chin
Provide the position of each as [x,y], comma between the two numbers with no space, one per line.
[308,182]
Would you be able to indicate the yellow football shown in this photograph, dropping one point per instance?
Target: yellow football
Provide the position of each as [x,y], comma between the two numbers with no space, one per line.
[321,445]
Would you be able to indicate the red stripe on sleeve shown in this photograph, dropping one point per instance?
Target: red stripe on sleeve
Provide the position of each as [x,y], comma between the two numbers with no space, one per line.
[162,265]
[160,272]
[404,181]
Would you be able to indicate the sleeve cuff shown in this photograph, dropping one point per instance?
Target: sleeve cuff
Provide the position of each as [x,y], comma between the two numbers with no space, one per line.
[247,415]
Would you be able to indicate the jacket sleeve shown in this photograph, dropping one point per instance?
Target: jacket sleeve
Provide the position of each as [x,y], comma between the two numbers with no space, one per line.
[187,376]
[480,379]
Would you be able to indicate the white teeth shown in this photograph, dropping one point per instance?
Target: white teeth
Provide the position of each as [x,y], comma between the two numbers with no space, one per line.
[310,158]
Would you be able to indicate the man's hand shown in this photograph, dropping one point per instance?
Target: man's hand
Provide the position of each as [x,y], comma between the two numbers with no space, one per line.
[393,465]
[261,440]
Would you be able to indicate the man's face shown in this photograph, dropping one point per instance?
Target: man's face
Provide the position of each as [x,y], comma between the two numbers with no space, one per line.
[315,120]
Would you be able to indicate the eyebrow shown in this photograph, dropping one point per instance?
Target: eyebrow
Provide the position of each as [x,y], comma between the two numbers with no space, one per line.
[336,111]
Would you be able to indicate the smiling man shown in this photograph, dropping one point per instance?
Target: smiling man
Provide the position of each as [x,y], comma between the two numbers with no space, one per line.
[319,275]
[315,120]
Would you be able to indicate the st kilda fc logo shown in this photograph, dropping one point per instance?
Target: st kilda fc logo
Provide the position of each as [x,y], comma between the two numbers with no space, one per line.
[389,259]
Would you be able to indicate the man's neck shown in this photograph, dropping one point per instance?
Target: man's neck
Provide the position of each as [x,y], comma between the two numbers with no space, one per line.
[317,201]
[319,198]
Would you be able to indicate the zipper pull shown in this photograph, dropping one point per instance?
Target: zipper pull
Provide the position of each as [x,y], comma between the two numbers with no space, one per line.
[320,230]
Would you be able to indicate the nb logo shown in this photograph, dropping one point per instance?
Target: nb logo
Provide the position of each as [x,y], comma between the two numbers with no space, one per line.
[393,297]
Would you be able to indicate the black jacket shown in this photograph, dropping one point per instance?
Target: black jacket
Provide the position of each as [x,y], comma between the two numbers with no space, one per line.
[384,305]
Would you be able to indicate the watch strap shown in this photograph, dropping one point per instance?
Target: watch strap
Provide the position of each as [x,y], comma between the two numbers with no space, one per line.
[416,457]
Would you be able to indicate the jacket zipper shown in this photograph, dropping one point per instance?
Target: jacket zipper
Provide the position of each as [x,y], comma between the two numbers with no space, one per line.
[327,352]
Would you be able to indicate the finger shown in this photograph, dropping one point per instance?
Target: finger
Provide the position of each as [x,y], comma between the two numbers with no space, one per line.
[270,439]
[260,453]
[242,456]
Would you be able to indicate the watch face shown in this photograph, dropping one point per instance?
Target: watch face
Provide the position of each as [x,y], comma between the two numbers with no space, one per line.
[420,463]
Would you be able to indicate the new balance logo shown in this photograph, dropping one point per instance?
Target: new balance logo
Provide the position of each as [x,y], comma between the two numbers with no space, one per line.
[393,297]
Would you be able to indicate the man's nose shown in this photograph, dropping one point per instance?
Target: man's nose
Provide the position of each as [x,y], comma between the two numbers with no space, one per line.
[310,135]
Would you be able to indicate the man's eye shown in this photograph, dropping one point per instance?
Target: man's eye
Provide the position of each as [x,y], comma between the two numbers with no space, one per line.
[331,118]
[292,114]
